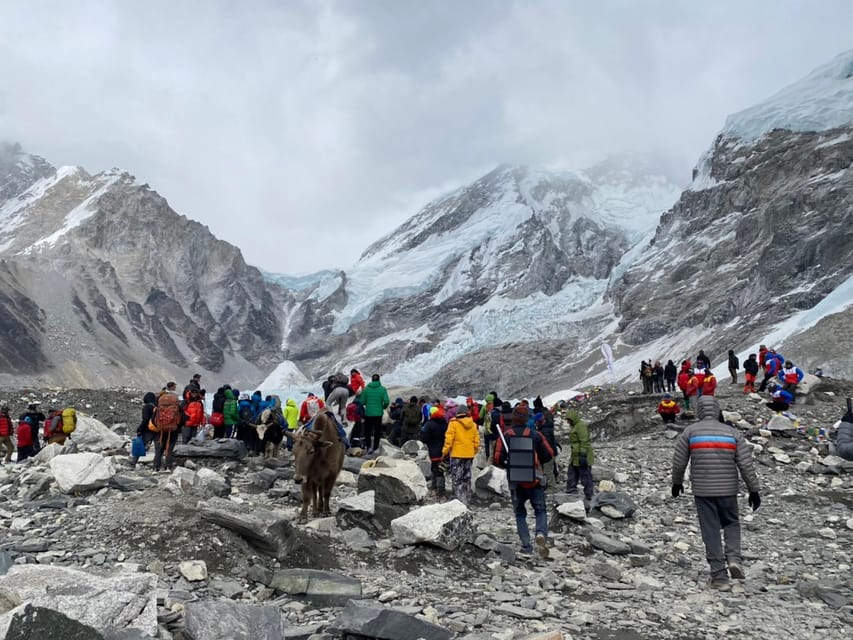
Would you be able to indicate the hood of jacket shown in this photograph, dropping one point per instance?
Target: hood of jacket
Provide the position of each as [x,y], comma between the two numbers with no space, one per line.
[149,398]
[291,402]
[374,384]
[229,395]
[466,422]
[707,408]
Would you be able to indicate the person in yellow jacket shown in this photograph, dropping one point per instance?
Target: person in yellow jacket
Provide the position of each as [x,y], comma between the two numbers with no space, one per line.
[291,416]
[461,443]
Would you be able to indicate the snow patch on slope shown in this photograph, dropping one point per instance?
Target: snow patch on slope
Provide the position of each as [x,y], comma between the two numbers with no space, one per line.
[285,375]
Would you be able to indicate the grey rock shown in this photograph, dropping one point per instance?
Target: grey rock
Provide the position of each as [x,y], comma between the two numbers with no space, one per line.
[375,621]
[81,471]
[614,504]
[353,464]
[320,587]
[447,525]
[6,562]
[118,602]
[28,622]
[229,620]
[607,544]
[394,481]
[516,611]
[223,448]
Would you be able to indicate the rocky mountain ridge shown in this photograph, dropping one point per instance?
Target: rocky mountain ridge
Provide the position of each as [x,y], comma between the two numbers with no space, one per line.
[104,282]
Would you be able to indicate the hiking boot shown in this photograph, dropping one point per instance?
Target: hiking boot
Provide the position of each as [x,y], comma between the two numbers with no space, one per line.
[542,545]
[721,584]
[736,572]
[526,551]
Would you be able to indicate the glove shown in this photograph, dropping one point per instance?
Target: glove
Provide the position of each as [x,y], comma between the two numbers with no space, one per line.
[677,490]
[582,461]
[754,500]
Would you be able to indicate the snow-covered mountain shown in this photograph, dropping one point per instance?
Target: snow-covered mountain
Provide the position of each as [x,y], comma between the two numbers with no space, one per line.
[522,255]
[102,283]
[516,281]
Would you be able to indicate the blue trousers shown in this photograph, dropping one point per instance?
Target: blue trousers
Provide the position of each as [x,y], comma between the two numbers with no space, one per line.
[536,496]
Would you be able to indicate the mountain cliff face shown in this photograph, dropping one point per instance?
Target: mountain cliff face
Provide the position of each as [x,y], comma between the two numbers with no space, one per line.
[519,256]
[102,282]
[761,238]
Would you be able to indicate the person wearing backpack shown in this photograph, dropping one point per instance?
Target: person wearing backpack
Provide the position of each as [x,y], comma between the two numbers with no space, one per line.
[167,421]
[7,430]
[580,466]
[149,404]
[36,419]
[245,430]
[230,413]
[510,455]
[411,421]
[432,435]
[27,437]
[52,430]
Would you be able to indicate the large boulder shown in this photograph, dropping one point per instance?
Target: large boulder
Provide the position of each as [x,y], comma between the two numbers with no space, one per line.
[82,471]
[27,622]
[605,543]
[323,588]
[492,479]
[93,435]
[269,531]
[124,602]
[394,481]
[365,620]
[227,620]
[364,512]
[222,448]
[779,425]
[447,525]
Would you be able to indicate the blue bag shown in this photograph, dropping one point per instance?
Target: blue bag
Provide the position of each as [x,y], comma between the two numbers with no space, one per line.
[137,447]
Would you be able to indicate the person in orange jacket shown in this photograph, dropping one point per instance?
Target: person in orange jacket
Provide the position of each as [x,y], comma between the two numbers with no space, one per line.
[692,388]
[709,384]
[668,409]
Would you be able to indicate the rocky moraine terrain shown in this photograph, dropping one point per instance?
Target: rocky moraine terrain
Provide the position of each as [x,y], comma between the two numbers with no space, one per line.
[212,550]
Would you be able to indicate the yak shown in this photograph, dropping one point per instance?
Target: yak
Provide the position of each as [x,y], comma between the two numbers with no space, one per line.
[318,455]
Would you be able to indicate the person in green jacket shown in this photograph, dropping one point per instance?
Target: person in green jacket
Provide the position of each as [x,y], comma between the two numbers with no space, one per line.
[580,468]
[230,413]
[375,399]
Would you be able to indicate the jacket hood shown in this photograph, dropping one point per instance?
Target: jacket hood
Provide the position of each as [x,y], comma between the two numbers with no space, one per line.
[291,402]
[707,407]
[149,398]
[573,415]
[466,422]
[229,394]
[374,383]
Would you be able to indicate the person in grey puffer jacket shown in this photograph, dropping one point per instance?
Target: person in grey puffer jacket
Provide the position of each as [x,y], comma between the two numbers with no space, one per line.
[844,439]
[716,453]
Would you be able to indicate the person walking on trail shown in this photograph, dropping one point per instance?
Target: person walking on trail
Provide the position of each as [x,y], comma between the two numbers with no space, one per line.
[734,365]
[580,465]
[750,373]
[717,454]
[461,443]
[375,399]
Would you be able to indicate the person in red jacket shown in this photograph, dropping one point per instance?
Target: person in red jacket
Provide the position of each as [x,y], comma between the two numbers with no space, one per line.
[709,384]
[683,379]
[26,439]
[311,406]
[356,382]
[6,431]
[668,409]
[762,355]
[195,418]
[692,388]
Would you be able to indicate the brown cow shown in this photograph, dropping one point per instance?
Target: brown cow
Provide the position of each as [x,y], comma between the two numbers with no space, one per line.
[318,456]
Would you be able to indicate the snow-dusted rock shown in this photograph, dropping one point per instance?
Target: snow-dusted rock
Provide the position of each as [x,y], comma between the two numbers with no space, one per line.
[447,525]
[123,602]
[394,481]
[93,435]
[492,479]
[81,471]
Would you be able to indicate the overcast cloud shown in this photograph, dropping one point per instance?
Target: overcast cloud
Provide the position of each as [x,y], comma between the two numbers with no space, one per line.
[281,123]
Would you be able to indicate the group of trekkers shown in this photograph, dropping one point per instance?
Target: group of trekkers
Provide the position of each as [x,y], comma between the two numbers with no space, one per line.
[696,379]
[34,429]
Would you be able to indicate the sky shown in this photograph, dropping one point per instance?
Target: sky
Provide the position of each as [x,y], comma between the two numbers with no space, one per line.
[283,124]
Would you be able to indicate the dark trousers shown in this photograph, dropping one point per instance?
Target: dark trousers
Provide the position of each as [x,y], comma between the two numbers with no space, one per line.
[714,514]
[668,418]
[536,496]
[764,381]
[670,384]
[733,374]
[437,477]
[372,431]
[219,432]
[582,475]
[165,444]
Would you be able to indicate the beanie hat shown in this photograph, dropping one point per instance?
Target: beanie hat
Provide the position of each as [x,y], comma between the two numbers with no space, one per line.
[490,399]
[520,415]
[462,410]
[436,412]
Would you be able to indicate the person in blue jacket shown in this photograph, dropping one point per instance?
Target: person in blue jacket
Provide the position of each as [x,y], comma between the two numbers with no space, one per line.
[780,400]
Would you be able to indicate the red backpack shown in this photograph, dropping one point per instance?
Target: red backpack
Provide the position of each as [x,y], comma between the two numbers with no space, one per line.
[52,425]
[168,414]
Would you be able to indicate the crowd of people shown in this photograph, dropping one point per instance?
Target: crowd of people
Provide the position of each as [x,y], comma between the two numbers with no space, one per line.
[34,429]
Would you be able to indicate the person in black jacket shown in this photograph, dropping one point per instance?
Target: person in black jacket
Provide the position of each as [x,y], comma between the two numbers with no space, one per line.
[149,403]
[670,373]
[432,435]
[750,368]
[734,365]
[36,418]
